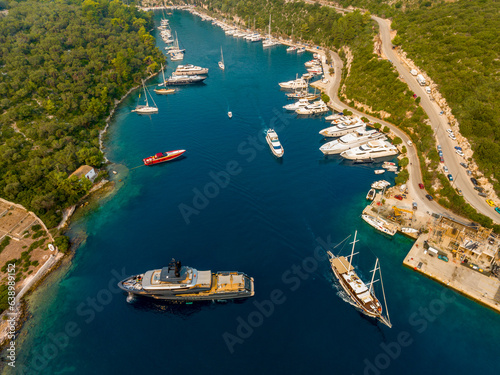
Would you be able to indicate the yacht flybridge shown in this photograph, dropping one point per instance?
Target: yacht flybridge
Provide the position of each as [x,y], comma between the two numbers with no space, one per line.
[274,143]
[351,140]
[373,149]
[181,283]
[190,70]
[342,127]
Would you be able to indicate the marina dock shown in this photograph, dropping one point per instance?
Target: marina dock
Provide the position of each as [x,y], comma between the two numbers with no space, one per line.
[452,274]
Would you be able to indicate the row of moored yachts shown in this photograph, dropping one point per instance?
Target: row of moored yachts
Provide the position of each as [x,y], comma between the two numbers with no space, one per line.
[355,142]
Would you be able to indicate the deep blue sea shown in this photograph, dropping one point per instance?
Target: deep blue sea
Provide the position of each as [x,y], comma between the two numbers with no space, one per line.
[243,210]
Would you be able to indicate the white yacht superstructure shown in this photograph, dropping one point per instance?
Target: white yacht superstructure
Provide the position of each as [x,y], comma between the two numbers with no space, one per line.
[342,127]
[274,143]
[351,140]
[317,107]
[373,149]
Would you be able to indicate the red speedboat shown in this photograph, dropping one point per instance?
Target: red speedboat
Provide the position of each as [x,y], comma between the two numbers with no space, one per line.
[162,157]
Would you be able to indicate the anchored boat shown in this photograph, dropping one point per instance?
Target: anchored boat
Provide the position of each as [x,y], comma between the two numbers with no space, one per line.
[181,283]
[274,143]
[162,157]
[360,294]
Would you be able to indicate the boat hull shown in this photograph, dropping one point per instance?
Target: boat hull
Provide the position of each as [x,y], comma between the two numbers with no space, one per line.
[378,225]
[185,82]
[190,295]
[167,156]
[275,153]
[353,297]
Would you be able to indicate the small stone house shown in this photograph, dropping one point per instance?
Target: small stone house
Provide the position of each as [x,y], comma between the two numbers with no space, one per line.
[85,171]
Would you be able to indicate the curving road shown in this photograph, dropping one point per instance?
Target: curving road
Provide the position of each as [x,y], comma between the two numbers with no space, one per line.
[417,194]
[438,122]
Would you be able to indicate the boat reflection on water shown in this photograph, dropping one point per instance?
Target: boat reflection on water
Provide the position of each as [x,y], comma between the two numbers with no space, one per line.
[180,309]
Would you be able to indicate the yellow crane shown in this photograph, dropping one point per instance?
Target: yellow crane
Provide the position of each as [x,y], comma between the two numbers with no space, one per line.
[398,211]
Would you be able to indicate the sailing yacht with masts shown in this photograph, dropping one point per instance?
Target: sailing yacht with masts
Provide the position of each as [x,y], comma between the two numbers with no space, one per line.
[360,294]
[269,41]
[146,109]
[221,62]
[163,91]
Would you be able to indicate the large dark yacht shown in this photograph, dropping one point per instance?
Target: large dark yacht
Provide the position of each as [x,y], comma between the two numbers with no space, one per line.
[181,283]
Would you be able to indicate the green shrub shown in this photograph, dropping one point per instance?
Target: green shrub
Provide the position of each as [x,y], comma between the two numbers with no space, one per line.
[5,242]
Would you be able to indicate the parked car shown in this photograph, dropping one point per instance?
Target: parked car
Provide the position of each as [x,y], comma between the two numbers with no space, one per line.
[421,185]
[460,153]
[439,148]
[490,202]
[440,153]
[429,197]
[449,131]
[450,177]
[443,257]
[441,159]
[445,169]
[479,188]
[459,192]
[398,197]
[452,136]
[469,173]
[474,181]
[463,165]
[414,205]
[497,209]
[410,143]
[484,195]
[458,148]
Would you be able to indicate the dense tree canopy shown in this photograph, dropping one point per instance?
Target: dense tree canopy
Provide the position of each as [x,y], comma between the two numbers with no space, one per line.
[62,65]
[458,45]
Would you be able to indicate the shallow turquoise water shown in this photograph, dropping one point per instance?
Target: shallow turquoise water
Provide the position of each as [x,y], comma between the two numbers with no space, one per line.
[267,221]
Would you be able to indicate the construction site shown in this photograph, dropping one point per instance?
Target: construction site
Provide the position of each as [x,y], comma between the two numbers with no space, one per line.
[460,255]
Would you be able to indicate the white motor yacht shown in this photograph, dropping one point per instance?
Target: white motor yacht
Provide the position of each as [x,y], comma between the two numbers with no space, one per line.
[274,143]
[342,129]
[312,63]
[350,140]
[317,107]
[190,70]
[373,149]
[294,84]
[298,104]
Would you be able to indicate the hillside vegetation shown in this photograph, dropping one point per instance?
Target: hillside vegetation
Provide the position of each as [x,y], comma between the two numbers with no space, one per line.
[62,65]
[458,45]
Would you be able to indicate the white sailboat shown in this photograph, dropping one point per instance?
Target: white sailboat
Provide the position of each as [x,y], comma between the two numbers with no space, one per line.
[146,109]
[269,42]
[221,62]
[163,91]
[360,294]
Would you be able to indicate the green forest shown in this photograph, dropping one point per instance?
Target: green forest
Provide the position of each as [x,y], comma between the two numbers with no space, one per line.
[458,45]
[62,66]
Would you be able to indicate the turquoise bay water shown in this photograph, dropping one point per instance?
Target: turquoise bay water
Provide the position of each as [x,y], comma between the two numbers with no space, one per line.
[268,222]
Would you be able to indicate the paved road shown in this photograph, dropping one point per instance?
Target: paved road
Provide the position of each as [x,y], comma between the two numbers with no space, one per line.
[439,124]
[417,194]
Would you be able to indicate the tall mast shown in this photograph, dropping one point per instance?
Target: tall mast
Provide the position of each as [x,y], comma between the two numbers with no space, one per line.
[145,95]
[163,71]
[373,276]
[388,322]
[269,25]
[352,251]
